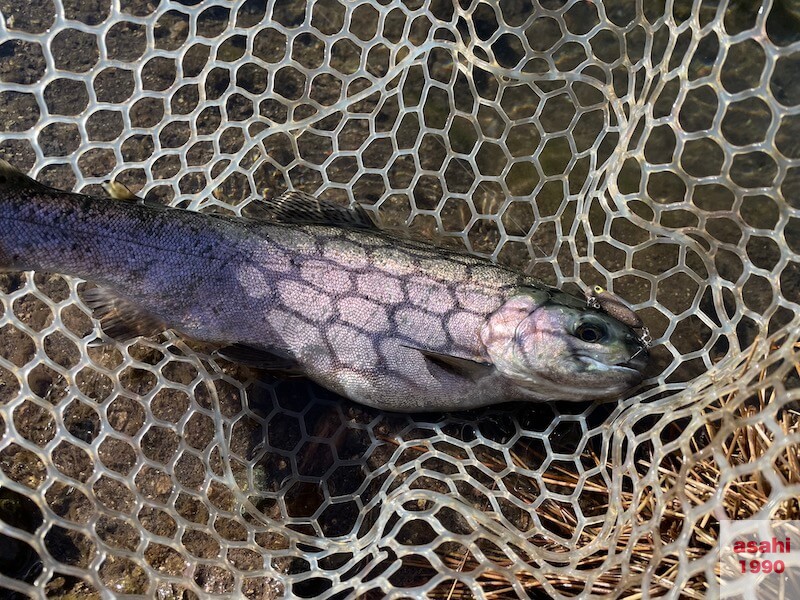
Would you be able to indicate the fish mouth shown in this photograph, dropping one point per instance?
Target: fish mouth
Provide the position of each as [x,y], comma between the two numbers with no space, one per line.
[631,367]
[626,369]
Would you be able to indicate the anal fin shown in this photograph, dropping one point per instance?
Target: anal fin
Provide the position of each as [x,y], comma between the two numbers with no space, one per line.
[120,318]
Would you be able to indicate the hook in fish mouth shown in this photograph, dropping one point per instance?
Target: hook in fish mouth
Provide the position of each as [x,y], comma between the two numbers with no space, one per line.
[638,361]
[645,339]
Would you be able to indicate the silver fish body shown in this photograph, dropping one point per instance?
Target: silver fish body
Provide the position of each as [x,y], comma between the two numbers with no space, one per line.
[388,322]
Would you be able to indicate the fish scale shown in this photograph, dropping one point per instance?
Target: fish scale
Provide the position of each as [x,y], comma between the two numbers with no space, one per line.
[385,320]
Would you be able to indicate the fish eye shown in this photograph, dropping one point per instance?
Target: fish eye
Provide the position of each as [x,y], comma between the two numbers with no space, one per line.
[590,332]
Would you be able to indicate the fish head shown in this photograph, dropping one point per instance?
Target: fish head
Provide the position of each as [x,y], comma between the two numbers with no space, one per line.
[555,348]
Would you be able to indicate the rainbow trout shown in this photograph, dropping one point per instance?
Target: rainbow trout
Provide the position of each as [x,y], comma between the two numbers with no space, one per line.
[319,290]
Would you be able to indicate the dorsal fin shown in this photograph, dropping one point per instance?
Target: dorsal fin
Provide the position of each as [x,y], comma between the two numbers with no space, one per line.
[304,209]
[12,178]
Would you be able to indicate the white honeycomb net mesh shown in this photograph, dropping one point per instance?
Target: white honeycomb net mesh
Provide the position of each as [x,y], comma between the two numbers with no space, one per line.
[649,147]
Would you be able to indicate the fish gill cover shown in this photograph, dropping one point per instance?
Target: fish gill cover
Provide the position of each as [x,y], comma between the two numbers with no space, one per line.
[649,148]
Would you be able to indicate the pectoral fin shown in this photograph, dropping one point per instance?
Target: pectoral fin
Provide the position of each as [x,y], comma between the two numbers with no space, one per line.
[463,367]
